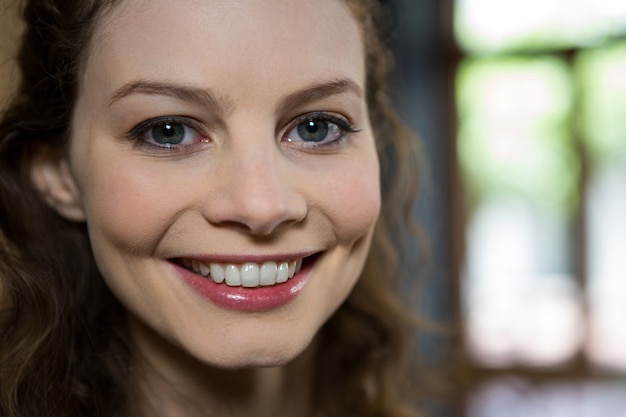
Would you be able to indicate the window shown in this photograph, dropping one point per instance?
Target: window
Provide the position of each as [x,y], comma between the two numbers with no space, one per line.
[540,89]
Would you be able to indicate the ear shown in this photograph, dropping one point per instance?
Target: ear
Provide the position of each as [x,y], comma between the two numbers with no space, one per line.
[53,178]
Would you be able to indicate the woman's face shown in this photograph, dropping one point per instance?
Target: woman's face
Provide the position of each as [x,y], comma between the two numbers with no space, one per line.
[227,171]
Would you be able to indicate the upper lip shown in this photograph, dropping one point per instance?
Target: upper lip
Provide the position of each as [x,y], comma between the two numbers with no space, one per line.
[252,258]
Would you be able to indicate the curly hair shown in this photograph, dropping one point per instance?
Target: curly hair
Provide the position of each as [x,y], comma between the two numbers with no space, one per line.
[63,338]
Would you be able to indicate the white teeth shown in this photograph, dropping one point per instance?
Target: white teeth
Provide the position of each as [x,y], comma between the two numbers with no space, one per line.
[195,265]
[247,275]
[250,276]
[268,273]
[233,277]
[204,269]
[217,273]
[283,273]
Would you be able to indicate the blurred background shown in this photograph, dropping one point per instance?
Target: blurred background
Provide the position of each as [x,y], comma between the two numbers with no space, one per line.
[521,106]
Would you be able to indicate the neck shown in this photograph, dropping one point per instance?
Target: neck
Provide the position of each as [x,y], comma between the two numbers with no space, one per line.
[170,382]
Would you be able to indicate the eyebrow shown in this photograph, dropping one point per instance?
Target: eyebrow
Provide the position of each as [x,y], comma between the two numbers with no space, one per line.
[200,96]
[215,102]
[320,91]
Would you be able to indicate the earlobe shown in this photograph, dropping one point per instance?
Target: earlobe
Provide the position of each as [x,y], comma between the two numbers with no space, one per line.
[53,179]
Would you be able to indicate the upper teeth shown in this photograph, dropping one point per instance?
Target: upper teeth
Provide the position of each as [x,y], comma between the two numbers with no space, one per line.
[246,275]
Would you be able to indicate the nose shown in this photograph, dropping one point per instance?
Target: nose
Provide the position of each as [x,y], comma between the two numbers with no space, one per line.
[256,191]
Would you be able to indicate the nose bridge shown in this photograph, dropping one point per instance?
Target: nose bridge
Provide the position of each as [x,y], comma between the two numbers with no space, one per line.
[257,193]
[256,175]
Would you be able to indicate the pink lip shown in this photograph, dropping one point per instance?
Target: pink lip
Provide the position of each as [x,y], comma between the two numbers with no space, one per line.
[246,299]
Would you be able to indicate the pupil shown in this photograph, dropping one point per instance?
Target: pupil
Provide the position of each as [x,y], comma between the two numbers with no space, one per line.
[168,130]
[313,131]
[311,127]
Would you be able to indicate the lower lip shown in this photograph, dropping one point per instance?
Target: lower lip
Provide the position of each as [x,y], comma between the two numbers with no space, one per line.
[246,299]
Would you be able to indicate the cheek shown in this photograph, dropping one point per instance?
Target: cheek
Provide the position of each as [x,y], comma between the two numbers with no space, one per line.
[127,208]
[353,200]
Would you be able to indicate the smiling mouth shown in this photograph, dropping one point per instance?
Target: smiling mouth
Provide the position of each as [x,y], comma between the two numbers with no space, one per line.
[249,274]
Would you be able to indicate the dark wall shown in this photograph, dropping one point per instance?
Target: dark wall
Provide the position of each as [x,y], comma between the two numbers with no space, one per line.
[423,96]
[423,99]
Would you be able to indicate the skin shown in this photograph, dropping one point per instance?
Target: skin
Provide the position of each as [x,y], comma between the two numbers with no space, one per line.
[240,189]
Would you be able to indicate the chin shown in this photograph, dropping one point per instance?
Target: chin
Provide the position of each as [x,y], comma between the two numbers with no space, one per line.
[259,352]
[268,361]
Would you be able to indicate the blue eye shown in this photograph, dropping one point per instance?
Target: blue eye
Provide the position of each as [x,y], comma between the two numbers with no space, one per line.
[168,132]
[318,129]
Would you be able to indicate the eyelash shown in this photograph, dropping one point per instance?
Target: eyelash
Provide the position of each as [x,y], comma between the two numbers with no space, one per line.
[344,126]
[139,133]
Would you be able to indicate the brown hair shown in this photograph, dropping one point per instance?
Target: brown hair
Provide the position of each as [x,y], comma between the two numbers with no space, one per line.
[63,348]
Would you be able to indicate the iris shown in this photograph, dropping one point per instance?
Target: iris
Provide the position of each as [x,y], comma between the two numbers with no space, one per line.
[168,134]
[313,130]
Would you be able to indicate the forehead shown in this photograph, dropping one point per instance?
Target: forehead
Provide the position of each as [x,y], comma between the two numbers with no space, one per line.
[251,40]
